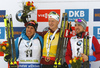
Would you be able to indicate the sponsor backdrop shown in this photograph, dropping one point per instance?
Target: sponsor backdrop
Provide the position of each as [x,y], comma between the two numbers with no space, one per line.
[89,10]
[77,13]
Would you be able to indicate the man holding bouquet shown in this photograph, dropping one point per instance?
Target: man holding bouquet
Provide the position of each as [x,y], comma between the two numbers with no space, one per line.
[75,47]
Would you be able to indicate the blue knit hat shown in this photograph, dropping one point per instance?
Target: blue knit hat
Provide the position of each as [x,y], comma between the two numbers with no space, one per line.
[33,23]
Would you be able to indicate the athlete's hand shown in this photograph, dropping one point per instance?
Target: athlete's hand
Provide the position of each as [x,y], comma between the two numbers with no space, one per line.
[85,57]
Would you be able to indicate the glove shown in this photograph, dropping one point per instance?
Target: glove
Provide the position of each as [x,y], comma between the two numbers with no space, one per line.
[7,57]
[69,65]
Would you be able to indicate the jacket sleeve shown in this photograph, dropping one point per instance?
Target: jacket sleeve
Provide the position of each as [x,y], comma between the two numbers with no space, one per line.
[96,50]
[41,43]
[16,47]
[68,54]
[42,33]
[41,40]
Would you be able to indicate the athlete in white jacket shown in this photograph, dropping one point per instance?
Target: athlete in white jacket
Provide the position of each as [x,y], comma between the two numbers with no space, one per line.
[29,46]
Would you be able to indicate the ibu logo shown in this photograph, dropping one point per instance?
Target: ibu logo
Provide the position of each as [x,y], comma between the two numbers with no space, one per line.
[2,32]
[2,14]
[96,14]
[77,13]
[17,31]
[96,32]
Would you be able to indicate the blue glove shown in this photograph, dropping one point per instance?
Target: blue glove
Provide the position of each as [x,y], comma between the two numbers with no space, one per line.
[69,65]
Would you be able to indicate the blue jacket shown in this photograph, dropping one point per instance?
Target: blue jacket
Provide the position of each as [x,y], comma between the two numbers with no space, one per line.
[23,35]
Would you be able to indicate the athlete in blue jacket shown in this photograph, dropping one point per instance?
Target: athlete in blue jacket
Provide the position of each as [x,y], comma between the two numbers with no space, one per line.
[29,46]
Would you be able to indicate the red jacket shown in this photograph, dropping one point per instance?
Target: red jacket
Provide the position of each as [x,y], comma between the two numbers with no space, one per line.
[95,48]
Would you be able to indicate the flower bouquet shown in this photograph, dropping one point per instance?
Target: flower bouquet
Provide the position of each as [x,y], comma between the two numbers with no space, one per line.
[27,7]
[4,47]
[76,62]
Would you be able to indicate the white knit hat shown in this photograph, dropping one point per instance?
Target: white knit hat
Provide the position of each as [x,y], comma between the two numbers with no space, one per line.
[54,15]
[82,22]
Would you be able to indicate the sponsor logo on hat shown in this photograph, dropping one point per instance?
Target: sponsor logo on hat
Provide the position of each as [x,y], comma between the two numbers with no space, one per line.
[50,16]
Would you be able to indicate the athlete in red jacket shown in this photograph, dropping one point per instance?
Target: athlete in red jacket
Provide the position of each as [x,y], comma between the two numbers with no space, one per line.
[73,48]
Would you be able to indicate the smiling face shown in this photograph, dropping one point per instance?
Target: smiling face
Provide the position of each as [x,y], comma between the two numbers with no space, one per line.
[78,28]
[53,24]
[30,31]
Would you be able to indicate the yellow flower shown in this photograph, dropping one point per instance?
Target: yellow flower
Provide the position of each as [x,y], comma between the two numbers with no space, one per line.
[81,58]
[4,48]
[70,61]
[74,60]
[31,4]
[31,8]
[26,3]
[7,45]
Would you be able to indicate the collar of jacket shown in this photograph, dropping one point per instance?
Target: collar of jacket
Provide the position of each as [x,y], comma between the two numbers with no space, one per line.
[53,31]
[80,35]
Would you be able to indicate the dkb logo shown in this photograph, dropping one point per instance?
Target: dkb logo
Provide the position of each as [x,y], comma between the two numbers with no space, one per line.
[77,13]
